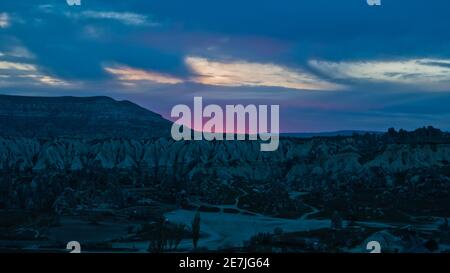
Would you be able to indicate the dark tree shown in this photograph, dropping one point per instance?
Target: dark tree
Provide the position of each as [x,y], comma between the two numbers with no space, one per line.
[158,240]
[196,229]
[336,221]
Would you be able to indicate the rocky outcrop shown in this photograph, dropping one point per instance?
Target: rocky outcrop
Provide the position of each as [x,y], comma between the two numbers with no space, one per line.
[294,160]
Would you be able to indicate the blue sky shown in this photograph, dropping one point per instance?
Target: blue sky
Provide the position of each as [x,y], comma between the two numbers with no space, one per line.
[331,65]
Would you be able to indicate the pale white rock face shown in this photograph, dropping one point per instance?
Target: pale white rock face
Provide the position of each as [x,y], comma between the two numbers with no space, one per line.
[347,162]
[76,164]
[402,157]
[294,160]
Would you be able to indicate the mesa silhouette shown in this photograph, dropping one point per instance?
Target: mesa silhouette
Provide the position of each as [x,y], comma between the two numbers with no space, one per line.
[83,117]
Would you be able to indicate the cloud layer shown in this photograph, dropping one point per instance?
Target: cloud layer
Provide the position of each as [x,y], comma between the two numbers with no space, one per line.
[412,71]
[22,74]
[241,73]
[130,75]
[127,18]
[4,20]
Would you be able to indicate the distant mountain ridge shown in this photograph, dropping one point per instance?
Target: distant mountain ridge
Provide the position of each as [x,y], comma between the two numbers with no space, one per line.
[101,117]
[85,117]
[330,134]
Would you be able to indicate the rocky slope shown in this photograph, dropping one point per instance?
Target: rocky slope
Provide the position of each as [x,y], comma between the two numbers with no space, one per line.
[97,151]
[36,173]
[294,160]
[87,117]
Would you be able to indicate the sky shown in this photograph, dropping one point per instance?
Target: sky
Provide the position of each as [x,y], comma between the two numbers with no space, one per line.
[330,65]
